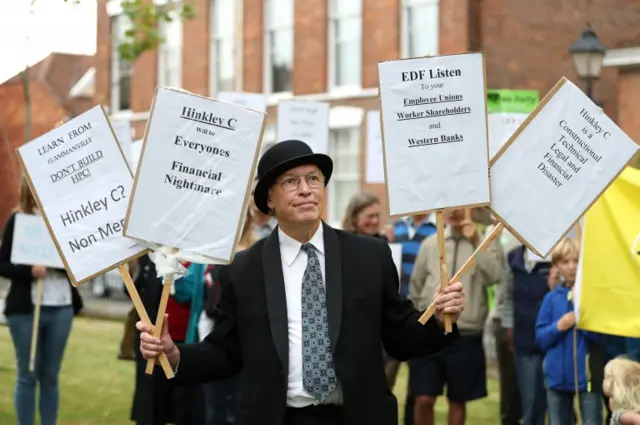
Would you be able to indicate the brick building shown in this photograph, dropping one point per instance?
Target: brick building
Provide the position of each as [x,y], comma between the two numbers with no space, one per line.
[61,87]
[328,50]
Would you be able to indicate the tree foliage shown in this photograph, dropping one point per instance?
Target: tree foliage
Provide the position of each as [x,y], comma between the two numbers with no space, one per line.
[145,17]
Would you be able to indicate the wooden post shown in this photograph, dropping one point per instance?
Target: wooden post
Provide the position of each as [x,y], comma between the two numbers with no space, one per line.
[142,313]
[36,326]
[444,274]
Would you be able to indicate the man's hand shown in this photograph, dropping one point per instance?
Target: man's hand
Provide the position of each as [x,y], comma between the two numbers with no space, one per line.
[567,321]
[38,272]
[508,335]
[470,232]
[450,301]
[151,347]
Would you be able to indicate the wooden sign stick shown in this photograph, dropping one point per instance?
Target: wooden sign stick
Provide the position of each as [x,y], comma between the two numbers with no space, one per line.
[36,326]
[142,313]
[162,308]
[444,274]
[466,266]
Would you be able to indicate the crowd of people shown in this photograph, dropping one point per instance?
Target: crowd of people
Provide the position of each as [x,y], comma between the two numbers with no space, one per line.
[544,361]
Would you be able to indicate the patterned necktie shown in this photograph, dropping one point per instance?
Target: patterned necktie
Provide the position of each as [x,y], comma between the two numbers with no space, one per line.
[319,376]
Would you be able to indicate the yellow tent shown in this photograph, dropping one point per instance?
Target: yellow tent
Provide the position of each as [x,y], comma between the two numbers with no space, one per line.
[607,292]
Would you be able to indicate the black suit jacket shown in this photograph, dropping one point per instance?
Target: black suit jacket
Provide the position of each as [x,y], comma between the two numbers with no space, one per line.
[364,311]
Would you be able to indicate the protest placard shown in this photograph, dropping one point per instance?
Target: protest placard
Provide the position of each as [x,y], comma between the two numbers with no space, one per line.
[256,101]
[434,133]
[123,131]
[195,169]
[507,109]
[32,243]
[555,166]
[304,120]
[81,181]
[375,167]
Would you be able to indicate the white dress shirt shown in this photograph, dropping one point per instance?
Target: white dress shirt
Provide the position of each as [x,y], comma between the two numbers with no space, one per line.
[294,263]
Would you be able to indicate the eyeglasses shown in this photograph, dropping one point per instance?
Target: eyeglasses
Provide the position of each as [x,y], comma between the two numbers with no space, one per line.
[292,183]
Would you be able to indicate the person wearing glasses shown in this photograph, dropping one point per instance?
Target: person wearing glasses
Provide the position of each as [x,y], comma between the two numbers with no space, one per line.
[304,311]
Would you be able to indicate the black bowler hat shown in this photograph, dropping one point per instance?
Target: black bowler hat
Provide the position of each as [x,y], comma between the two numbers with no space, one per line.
[279,159]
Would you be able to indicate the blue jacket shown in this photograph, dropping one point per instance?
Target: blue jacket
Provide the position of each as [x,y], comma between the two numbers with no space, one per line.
[558,345]
[621,346]
[529,289]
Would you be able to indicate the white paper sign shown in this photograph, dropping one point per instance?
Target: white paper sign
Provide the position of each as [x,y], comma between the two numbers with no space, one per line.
[556,167]
[435,133]
[32,243]
[501,128]
[396,253]
[194,175]
[255,101]
[122,128]
[375,160]
[136,149]
[82,182]
[306,121]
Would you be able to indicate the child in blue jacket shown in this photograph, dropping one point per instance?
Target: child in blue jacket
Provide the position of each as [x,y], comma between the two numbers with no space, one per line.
[555,333]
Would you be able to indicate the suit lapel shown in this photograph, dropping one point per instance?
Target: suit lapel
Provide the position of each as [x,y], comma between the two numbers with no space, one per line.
[333,278]
[276,296]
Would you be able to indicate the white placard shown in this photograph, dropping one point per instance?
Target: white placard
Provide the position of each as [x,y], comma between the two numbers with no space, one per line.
[556,167]
[375,160]
[81,182]
[304,120]
[123,131]
[501,128]
[32,243]
[136,149]
[194,175]
[396,253]
[255,101]
[434,133]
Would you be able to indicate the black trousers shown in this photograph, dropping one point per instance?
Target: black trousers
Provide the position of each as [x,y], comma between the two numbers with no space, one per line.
[315,415]
[510,404]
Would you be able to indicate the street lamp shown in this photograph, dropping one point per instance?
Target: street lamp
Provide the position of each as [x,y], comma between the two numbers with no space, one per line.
[588,55]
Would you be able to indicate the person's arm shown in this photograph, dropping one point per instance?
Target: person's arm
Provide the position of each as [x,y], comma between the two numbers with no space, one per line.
[490,264]
[403,336]
[547,332]
[622,417]
[218,355]
[7,269]
[507,310]
[419,275]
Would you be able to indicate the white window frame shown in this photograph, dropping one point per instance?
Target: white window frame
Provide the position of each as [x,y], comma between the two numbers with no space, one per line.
[331,58]
[170,51]
[114,83]
[335,211]
[267,65]
[404,25]
[213,53]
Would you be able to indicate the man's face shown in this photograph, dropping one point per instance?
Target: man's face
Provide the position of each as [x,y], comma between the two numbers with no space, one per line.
[454,217]
[298,195]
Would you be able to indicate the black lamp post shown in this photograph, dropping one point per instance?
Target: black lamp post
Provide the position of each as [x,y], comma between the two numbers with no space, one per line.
[588,55]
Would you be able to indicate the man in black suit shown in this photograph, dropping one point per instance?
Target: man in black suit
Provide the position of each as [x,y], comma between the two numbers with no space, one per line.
[304,312]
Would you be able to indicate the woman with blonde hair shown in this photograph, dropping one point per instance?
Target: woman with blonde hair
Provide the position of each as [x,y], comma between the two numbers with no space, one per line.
[60,301]
[362,216]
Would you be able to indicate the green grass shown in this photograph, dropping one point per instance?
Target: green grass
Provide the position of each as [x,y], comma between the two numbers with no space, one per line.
[96,388]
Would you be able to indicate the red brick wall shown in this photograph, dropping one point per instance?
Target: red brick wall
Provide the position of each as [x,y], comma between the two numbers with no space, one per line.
[45,112]
[102,93]
[526,43]
[629,106]
[310,47]
[380,37]
[253,51]
[195,52]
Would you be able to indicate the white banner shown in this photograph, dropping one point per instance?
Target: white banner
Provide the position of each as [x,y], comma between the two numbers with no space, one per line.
[122,129]
[435,133]
[375,159]
[306,121]
[81,182]
[257,101]
[194,175]
[32,243]
[556,167]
